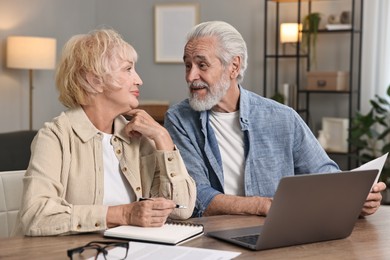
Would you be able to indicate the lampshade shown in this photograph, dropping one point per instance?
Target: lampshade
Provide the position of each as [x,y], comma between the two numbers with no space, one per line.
[289,32]
[31,52]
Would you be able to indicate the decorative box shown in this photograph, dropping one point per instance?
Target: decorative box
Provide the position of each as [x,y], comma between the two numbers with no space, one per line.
[327,80]
[335,131]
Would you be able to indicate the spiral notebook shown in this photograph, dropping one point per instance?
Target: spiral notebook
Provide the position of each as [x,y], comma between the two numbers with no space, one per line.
[171,233]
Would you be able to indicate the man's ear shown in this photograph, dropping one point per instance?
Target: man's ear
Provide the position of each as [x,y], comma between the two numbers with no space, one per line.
[235,67]
[95,83]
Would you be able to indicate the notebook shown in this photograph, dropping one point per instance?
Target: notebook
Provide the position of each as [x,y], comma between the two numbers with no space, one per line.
[171,233]
[307,208]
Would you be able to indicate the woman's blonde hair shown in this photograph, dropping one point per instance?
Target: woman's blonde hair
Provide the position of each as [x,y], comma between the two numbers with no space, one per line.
[95,53]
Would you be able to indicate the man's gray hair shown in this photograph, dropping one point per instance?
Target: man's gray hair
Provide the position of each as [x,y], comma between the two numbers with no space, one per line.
[230,41]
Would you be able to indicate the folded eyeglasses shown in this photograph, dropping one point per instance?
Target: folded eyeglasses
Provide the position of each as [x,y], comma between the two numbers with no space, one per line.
[100,247]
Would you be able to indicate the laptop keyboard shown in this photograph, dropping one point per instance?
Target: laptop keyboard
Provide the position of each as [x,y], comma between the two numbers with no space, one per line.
[249,239]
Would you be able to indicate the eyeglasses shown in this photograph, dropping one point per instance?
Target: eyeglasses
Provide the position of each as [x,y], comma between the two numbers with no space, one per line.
[101,247]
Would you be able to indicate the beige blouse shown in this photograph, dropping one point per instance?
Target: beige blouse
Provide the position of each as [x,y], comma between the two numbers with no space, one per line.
[63,186]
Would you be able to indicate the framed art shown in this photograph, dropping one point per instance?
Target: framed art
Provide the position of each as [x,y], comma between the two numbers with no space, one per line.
[336,132]
[172,23]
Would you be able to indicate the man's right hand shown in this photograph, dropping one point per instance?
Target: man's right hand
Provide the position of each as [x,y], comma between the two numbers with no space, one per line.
[237,205]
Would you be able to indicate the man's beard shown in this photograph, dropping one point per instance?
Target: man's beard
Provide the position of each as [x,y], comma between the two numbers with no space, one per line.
[214,94]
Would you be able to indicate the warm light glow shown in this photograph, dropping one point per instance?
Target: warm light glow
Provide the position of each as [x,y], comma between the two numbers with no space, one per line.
[289,32]
[31,52]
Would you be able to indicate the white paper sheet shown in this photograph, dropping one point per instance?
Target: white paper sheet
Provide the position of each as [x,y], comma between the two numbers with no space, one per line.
[376,164]
[149,251]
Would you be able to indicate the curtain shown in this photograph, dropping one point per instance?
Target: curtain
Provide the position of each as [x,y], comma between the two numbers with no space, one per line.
[376,51]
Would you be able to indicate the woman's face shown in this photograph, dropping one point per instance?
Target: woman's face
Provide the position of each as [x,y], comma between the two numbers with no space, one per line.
[125,94]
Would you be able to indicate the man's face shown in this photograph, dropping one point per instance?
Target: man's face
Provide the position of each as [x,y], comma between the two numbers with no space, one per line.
[207,78]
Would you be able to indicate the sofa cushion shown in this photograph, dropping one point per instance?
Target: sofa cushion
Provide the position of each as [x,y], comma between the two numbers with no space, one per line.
[15,150]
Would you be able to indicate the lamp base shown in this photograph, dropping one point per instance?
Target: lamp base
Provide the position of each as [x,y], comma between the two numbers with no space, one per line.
[30,74]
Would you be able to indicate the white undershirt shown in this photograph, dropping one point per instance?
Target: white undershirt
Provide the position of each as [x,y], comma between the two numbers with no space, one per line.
[117,190]
[231,145]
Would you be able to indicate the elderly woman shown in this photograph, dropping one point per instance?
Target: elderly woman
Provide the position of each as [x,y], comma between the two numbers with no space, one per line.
[90,167]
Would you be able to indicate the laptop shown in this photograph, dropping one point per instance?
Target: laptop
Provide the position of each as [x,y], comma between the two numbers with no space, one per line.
[307,208]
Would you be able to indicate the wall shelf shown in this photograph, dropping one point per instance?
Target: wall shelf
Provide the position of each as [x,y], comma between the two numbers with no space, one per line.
[296,63]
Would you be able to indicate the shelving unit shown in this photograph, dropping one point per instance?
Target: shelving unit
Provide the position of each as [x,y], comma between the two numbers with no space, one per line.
[292,67]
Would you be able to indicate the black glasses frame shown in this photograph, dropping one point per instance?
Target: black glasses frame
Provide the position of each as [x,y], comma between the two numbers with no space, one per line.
[97,245]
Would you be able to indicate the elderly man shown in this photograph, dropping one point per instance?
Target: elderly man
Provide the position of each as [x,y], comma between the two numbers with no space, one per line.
[236,144]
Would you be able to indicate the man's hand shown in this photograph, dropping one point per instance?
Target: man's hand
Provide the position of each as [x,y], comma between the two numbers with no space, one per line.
[229,204]
[373,200]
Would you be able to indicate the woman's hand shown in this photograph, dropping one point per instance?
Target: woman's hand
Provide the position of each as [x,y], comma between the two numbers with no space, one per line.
[147,213]
[143,124]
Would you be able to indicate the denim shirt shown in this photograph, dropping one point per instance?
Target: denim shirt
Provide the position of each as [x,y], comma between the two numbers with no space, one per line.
[277,143]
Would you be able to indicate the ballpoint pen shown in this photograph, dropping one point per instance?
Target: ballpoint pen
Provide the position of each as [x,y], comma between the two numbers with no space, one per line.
[177,205]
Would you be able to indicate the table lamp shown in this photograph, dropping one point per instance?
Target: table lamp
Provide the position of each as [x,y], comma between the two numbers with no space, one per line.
[290,33]
[32,53]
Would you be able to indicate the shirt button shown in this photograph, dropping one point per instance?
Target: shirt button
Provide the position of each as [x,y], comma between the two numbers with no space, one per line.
[118,151]
[170,159]
[173,174]
[78,226]
[115,139]
[97,224]
[138,189]
[124,169]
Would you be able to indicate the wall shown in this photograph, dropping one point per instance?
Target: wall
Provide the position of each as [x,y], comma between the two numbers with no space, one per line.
[134,20]
[44,18]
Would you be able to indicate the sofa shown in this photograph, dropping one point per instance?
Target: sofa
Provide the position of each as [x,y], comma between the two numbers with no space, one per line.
[15,149]
[14,158]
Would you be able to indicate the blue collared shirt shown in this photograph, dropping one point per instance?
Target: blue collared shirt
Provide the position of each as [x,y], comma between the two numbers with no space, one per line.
[277,143]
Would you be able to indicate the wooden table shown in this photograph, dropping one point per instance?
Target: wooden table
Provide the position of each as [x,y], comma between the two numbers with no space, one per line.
[369,240]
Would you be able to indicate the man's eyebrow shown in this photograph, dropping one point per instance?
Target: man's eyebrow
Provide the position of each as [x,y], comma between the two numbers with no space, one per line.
[197,57]
[201,57]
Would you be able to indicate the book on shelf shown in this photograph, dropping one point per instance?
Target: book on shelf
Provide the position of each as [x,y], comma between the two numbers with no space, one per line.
[340,26]
[171,233]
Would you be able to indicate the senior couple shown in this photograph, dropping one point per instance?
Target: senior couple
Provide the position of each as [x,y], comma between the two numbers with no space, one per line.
[220,152]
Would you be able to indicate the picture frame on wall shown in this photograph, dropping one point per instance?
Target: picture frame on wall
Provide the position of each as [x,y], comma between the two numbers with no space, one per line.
[172,23]
[336,132]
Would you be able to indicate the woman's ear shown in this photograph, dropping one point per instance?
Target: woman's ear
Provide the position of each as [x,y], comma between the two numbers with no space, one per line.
[95,83]
[235,67]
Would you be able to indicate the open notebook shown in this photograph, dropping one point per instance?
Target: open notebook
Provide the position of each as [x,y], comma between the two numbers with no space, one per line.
[171,233]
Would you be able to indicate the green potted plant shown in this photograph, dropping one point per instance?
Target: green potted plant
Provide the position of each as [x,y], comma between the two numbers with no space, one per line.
[370,134]
[279,97]
[310,26]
